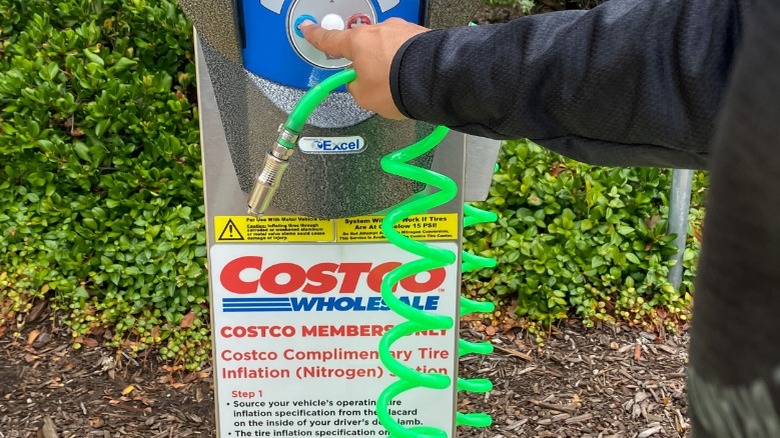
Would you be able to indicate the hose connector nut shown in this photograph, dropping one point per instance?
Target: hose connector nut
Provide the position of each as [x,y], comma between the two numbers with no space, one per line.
[267,181]
[281,152]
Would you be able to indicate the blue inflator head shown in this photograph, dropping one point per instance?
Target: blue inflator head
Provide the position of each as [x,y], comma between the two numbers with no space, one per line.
[274,49]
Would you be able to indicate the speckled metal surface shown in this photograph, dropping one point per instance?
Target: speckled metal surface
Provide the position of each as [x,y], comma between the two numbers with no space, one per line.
[233,96]
[324,186]
[336,111]
[216,22]
[251,109]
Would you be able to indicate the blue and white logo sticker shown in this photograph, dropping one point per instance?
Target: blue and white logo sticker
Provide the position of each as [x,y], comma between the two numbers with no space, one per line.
[331,145]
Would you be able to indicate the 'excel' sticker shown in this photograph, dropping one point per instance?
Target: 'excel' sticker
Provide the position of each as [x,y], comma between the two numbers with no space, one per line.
[332,145]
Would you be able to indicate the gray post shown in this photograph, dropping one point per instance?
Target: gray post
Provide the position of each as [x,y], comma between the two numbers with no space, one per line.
[679,207]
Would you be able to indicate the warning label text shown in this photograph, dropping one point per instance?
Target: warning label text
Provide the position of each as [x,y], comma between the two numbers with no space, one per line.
[237,229]
[417,227]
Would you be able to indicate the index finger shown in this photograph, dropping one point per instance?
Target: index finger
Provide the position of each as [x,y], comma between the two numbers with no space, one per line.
[335,43]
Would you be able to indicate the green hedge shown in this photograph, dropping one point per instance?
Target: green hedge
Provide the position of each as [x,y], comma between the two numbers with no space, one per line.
[101,194]
[100,185]
[578,239]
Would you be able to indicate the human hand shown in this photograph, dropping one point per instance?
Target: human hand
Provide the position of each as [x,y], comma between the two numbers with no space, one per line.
[371,49]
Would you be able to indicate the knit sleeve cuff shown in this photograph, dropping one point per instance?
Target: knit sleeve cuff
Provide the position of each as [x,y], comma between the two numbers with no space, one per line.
[395,77]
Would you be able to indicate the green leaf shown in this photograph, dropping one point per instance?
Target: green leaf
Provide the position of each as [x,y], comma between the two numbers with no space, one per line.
[80,292]
[82,151]
[94,58]
[124,64]
[101,127]
[90,223]
[586,224]
[185,212]
[52,70]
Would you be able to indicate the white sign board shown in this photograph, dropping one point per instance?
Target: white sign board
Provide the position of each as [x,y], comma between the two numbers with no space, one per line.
[296,330]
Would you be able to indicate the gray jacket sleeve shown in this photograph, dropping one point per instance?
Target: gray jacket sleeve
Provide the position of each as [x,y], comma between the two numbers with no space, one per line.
[629,83]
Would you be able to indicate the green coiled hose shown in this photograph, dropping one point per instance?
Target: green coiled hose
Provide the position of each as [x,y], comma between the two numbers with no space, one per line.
[431,257]
[472,216]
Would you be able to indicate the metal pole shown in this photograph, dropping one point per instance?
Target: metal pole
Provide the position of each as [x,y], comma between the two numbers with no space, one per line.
[679,207]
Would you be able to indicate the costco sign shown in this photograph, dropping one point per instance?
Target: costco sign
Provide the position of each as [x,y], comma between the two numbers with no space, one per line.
[253,274]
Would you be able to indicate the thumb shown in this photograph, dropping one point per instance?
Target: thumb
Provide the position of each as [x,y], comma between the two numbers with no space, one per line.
[335,43]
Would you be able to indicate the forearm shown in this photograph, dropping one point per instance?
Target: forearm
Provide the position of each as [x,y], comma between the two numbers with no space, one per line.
[633,82]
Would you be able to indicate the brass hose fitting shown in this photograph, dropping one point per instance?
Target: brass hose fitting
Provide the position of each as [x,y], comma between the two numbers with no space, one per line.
[269,177]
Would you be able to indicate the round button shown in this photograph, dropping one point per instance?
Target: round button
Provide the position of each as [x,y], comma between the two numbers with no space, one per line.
[358,20]
[300,20]
[332,22]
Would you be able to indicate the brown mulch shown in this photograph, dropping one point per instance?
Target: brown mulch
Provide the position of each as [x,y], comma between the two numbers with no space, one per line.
[614,381]
[94,391]
[605,382]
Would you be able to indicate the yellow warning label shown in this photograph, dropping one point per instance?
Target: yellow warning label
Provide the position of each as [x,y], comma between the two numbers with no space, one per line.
[238,229]
[230,232]
[418,227]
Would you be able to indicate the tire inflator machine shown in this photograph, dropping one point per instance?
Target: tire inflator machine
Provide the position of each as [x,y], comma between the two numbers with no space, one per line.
[334,235]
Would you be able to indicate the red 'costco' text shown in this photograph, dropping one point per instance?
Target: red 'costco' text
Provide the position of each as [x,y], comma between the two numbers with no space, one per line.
[321,278]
